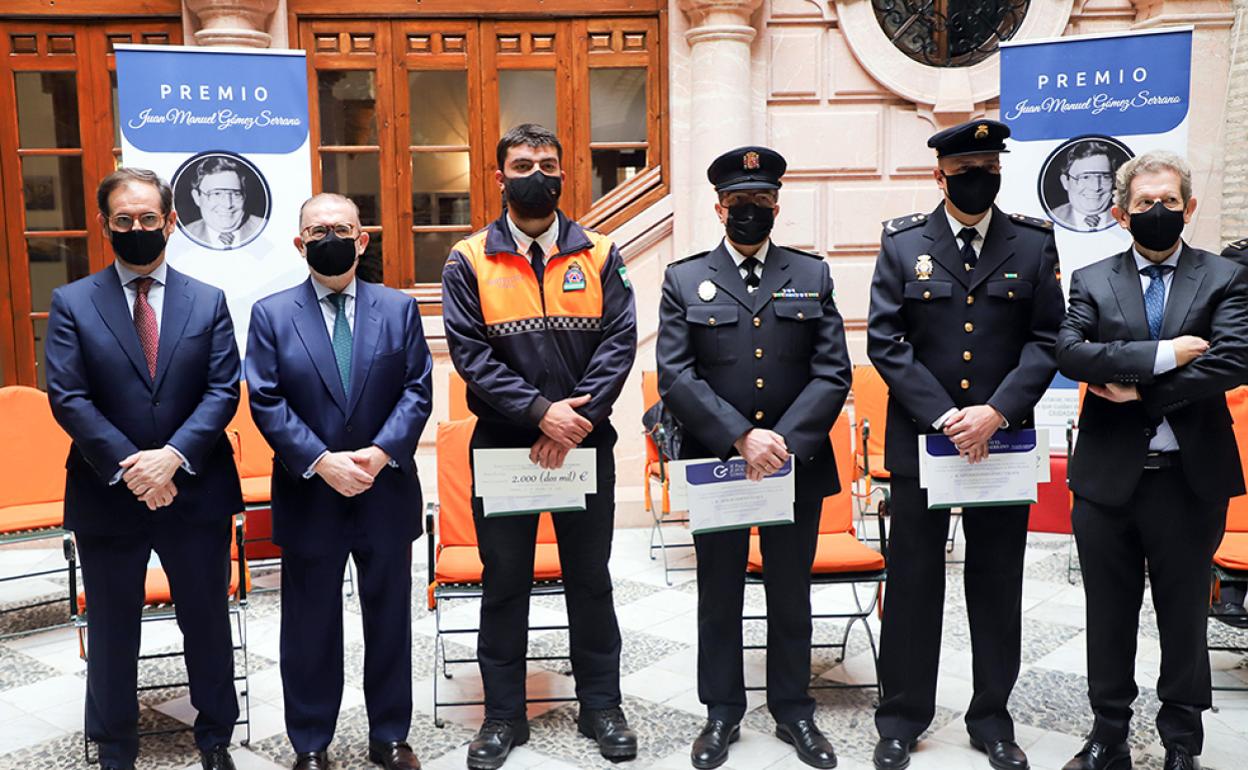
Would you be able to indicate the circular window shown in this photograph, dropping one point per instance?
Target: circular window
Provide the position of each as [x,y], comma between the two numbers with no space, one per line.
[949,33]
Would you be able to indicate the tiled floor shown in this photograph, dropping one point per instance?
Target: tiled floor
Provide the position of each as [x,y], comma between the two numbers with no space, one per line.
[41,682]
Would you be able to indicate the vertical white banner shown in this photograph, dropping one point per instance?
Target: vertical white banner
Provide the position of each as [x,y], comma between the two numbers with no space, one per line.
[228,128]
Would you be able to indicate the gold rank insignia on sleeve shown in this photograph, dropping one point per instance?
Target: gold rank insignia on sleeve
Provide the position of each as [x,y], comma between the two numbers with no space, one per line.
[923,267]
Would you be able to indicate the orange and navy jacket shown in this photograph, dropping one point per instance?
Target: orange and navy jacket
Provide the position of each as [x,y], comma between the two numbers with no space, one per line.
[521,346]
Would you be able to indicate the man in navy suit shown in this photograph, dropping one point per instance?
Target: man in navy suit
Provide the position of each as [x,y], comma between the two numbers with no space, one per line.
[142,373]
[339,376]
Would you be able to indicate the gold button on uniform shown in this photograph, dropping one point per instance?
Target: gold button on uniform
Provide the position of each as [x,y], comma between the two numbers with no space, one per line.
[970,300]
[759,383]
[966,384]
[970,327]
[801,316]
[758,352]
[757,322]
[711,321]
[1010,294]
[927,295]
[758,415]
[966,355]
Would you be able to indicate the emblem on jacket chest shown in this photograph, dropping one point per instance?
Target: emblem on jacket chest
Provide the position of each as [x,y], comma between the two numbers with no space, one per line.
[923,267]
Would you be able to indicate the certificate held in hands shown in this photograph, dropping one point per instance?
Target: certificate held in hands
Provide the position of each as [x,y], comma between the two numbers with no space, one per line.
[509,484]
[1017,461]
[721,497]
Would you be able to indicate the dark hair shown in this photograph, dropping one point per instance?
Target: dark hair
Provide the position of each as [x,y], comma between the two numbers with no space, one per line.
[528,135]
[1085,150]
[125,175]
[218,164]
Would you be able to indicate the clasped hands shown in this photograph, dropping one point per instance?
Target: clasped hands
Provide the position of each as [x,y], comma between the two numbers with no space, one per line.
[764,452]
[149,476]
[351,473]
[970,429]
[1186,350]
[563,429]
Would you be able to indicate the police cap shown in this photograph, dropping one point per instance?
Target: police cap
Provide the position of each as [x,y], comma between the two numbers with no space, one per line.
[970,138]
[747,168]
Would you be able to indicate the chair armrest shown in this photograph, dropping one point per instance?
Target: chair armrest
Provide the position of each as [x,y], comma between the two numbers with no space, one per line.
[239,539]
[71,560]
[431,508]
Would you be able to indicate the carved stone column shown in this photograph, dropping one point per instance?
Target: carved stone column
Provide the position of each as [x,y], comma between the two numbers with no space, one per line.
[232,22]
[719,37]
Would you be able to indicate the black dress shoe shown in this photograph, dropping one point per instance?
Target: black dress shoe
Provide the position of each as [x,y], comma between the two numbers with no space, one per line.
[1101,756]
[1002,755]
[311,760]
[494,741]
[812,747]
[892,754]
[616,740]
[395,755]
[116,767]
[1231,614]
[217,758]
[1179,758]
[710,748]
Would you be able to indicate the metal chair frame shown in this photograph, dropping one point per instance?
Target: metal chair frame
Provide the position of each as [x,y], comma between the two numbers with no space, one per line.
[660,517]
[70,568]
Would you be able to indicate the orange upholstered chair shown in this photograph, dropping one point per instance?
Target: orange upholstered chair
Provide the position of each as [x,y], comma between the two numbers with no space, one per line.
[32,479]
[840,556]
[455,566]
[1230,562]
[254,457]
[870,411]
[457,397]
[659,484]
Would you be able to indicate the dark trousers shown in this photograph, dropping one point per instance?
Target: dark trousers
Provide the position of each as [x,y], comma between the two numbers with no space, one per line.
[1166,530]
[507,549]
[914,600]
[311,641]
[195,557]
[788,553]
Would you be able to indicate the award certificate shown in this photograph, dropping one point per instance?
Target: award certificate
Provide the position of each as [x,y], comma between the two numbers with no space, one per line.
[720,497]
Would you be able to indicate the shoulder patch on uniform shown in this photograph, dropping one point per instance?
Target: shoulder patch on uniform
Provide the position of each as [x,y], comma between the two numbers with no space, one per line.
[1040,224]
[810,254]
[907,222]
[688,258]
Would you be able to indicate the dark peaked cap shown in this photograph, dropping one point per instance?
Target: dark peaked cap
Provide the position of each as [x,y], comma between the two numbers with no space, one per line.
[747,168]
[970,138]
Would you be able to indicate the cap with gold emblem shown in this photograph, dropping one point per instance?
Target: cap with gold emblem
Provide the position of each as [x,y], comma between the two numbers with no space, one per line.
[747,168]
[970,138]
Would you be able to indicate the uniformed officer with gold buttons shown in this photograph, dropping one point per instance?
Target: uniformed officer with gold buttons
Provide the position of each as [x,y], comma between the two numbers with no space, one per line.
[965,306]
[752,362]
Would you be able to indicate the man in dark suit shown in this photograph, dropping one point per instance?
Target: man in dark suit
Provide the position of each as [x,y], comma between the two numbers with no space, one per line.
[339,377]
[1159,333]
[752,362]
[142,373]
[965,306]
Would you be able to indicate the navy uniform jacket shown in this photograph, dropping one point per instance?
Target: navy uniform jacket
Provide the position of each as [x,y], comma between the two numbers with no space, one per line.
[943,338]
[1237,251]
[299,405]
[774,359]
[1105,339]
[105,399]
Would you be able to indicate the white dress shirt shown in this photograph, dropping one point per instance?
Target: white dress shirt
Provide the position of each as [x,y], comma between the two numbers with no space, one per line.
[738,257]
[1164,439]
[329,311]
[155,298]
[977,243]
[546,240]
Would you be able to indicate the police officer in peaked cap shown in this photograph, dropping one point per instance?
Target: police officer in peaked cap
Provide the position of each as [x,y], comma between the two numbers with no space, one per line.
[965,306]
[752,362]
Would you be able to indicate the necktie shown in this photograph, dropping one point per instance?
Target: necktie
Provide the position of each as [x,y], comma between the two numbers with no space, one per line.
[1091,220]
[969,258]
[342,340]
[145,323]
[226,238]
[1155,297]
[750,266]
[537,258]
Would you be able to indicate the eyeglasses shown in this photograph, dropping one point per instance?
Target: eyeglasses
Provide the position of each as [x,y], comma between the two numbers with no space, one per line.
[222,196]
[1093,179]
[124,223]
[764,198]
[317,232]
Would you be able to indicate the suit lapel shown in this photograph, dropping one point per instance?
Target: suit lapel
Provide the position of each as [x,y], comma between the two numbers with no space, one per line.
[997,249]
[177,309]
[775,276]
[110,303]
[310,326]
[728,277]
[1125,282]
[1188,276]
[942,246]
[364,343]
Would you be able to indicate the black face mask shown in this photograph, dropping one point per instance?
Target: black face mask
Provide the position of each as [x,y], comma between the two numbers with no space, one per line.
[749,223]
[331,255]
[1158,228]
[974,190]
[534,196]
[138,247]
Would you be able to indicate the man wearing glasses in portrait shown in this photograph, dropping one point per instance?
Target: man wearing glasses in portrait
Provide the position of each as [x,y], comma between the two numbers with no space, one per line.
[1088,179]
[219,190]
